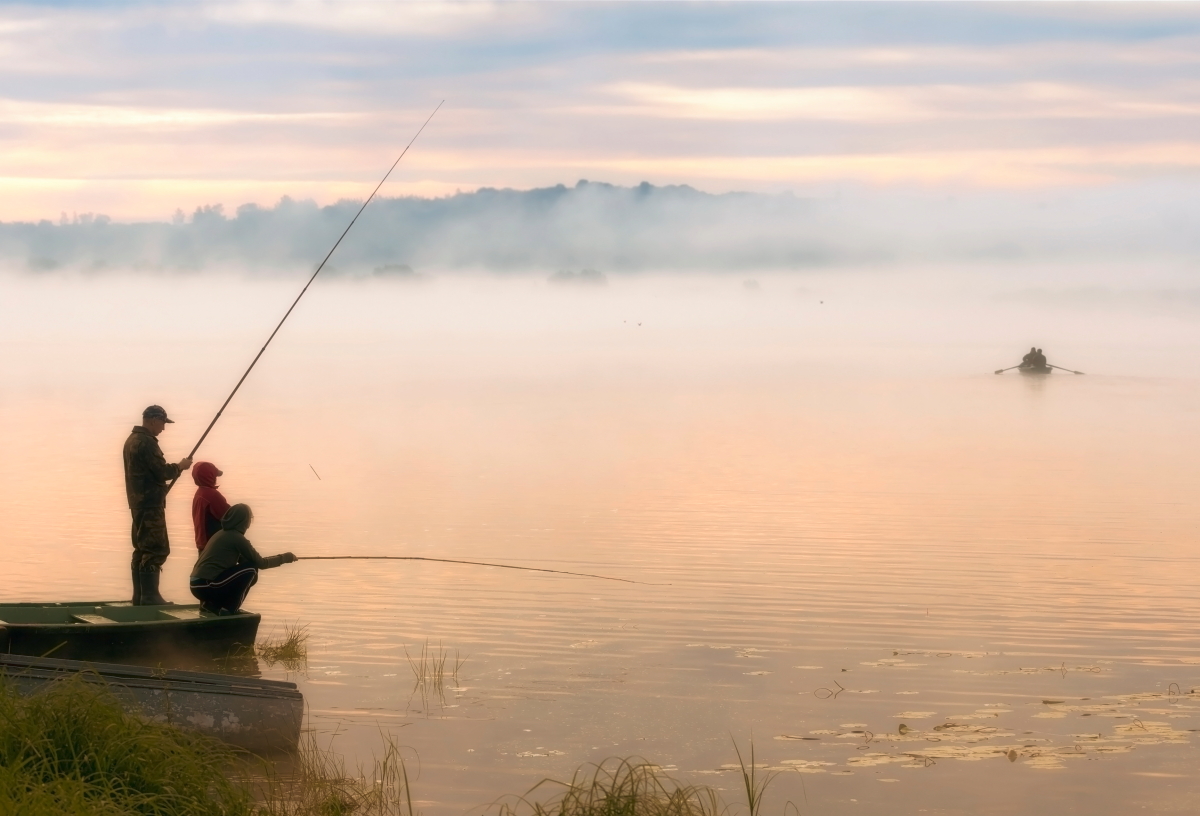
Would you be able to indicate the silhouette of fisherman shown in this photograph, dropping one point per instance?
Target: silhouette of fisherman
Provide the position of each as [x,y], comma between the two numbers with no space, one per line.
[208,505]
[229,565]
[1040,359]
[146,477]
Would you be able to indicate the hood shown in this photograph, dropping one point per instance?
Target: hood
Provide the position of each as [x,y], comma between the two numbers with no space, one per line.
[237,518]
[204,474]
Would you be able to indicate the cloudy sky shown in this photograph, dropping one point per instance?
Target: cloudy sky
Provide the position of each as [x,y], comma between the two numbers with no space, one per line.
[134,109]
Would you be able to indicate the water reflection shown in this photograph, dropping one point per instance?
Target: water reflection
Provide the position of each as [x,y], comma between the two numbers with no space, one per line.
[240,663]
[938,556]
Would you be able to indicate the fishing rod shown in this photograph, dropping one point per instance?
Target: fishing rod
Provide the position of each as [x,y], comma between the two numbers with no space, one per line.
[452,561]
[321,266]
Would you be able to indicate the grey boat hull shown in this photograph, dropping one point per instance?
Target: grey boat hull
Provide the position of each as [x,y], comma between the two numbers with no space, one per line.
[261,716]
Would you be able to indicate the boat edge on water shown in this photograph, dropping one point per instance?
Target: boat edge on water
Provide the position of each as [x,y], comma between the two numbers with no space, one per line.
[85,633]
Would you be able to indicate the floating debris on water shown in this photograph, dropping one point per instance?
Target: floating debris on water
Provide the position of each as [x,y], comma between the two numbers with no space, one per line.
[806,765]
[891,663]
[961,737]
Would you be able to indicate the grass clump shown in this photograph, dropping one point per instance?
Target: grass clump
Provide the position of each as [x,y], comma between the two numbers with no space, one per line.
[290,651]
[615,787]
[72,751]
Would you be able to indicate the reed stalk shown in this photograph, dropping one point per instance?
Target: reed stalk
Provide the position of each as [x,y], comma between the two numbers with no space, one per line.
[431,669]
[318,785]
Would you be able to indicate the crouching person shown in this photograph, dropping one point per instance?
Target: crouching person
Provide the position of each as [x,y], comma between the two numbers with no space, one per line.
[229,565]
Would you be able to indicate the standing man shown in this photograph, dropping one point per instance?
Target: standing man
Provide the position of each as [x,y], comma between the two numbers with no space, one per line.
[146,477]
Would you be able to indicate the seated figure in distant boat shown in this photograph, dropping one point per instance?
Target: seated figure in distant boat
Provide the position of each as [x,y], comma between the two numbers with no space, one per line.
[1040,359]
[228,566]
[1030,359]
[208,505]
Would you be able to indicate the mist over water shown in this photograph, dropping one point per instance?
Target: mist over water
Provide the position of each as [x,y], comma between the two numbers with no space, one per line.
[819,473]
[643,228]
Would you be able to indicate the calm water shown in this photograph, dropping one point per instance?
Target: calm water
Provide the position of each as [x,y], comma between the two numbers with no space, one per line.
[844,521]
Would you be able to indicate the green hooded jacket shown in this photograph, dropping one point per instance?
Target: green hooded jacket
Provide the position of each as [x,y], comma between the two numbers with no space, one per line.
[230,548]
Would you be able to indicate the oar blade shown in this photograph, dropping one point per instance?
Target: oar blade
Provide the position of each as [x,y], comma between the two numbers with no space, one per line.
[1060,368]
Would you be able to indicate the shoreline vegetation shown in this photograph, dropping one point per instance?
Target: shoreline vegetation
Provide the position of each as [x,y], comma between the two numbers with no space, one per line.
[71,750]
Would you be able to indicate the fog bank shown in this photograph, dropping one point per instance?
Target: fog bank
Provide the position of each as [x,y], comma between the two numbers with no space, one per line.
[630,229]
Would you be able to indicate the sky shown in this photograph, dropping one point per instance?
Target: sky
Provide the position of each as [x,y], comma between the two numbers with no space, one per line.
[137,110]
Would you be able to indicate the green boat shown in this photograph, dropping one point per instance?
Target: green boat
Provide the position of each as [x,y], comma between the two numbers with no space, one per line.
[119,632]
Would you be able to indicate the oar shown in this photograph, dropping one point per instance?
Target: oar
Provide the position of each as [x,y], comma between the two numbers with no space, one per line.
[1010,368]
[473,563]
[1060,368]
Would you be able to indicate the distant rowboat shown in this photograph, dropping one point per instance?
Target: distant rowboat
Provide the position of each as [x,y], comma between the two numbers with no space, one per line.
[263,716]
[119,632]
[1035,369]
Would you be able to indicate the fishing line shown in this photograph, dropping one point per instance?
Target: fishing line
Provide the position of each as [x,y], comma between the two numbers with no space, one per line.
[473,563]
[305,289]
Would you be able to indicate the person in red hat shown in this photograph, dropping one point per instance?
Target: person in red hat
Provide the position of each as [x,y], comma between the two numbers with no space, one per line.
[208,505]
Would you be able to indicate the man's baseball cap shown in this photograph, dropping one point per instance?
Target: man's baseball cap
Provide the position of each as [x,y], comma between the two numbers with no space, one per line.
[156,412]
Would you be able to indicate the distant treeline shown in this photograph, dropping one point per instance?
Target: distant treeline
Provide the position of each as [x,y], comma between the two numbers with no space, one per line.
[588,225]
[614,229]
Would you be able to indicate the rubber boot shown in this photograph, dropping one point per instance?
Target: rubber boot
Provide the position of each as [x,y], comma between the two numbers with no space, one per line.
[137,587]
[150,596]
